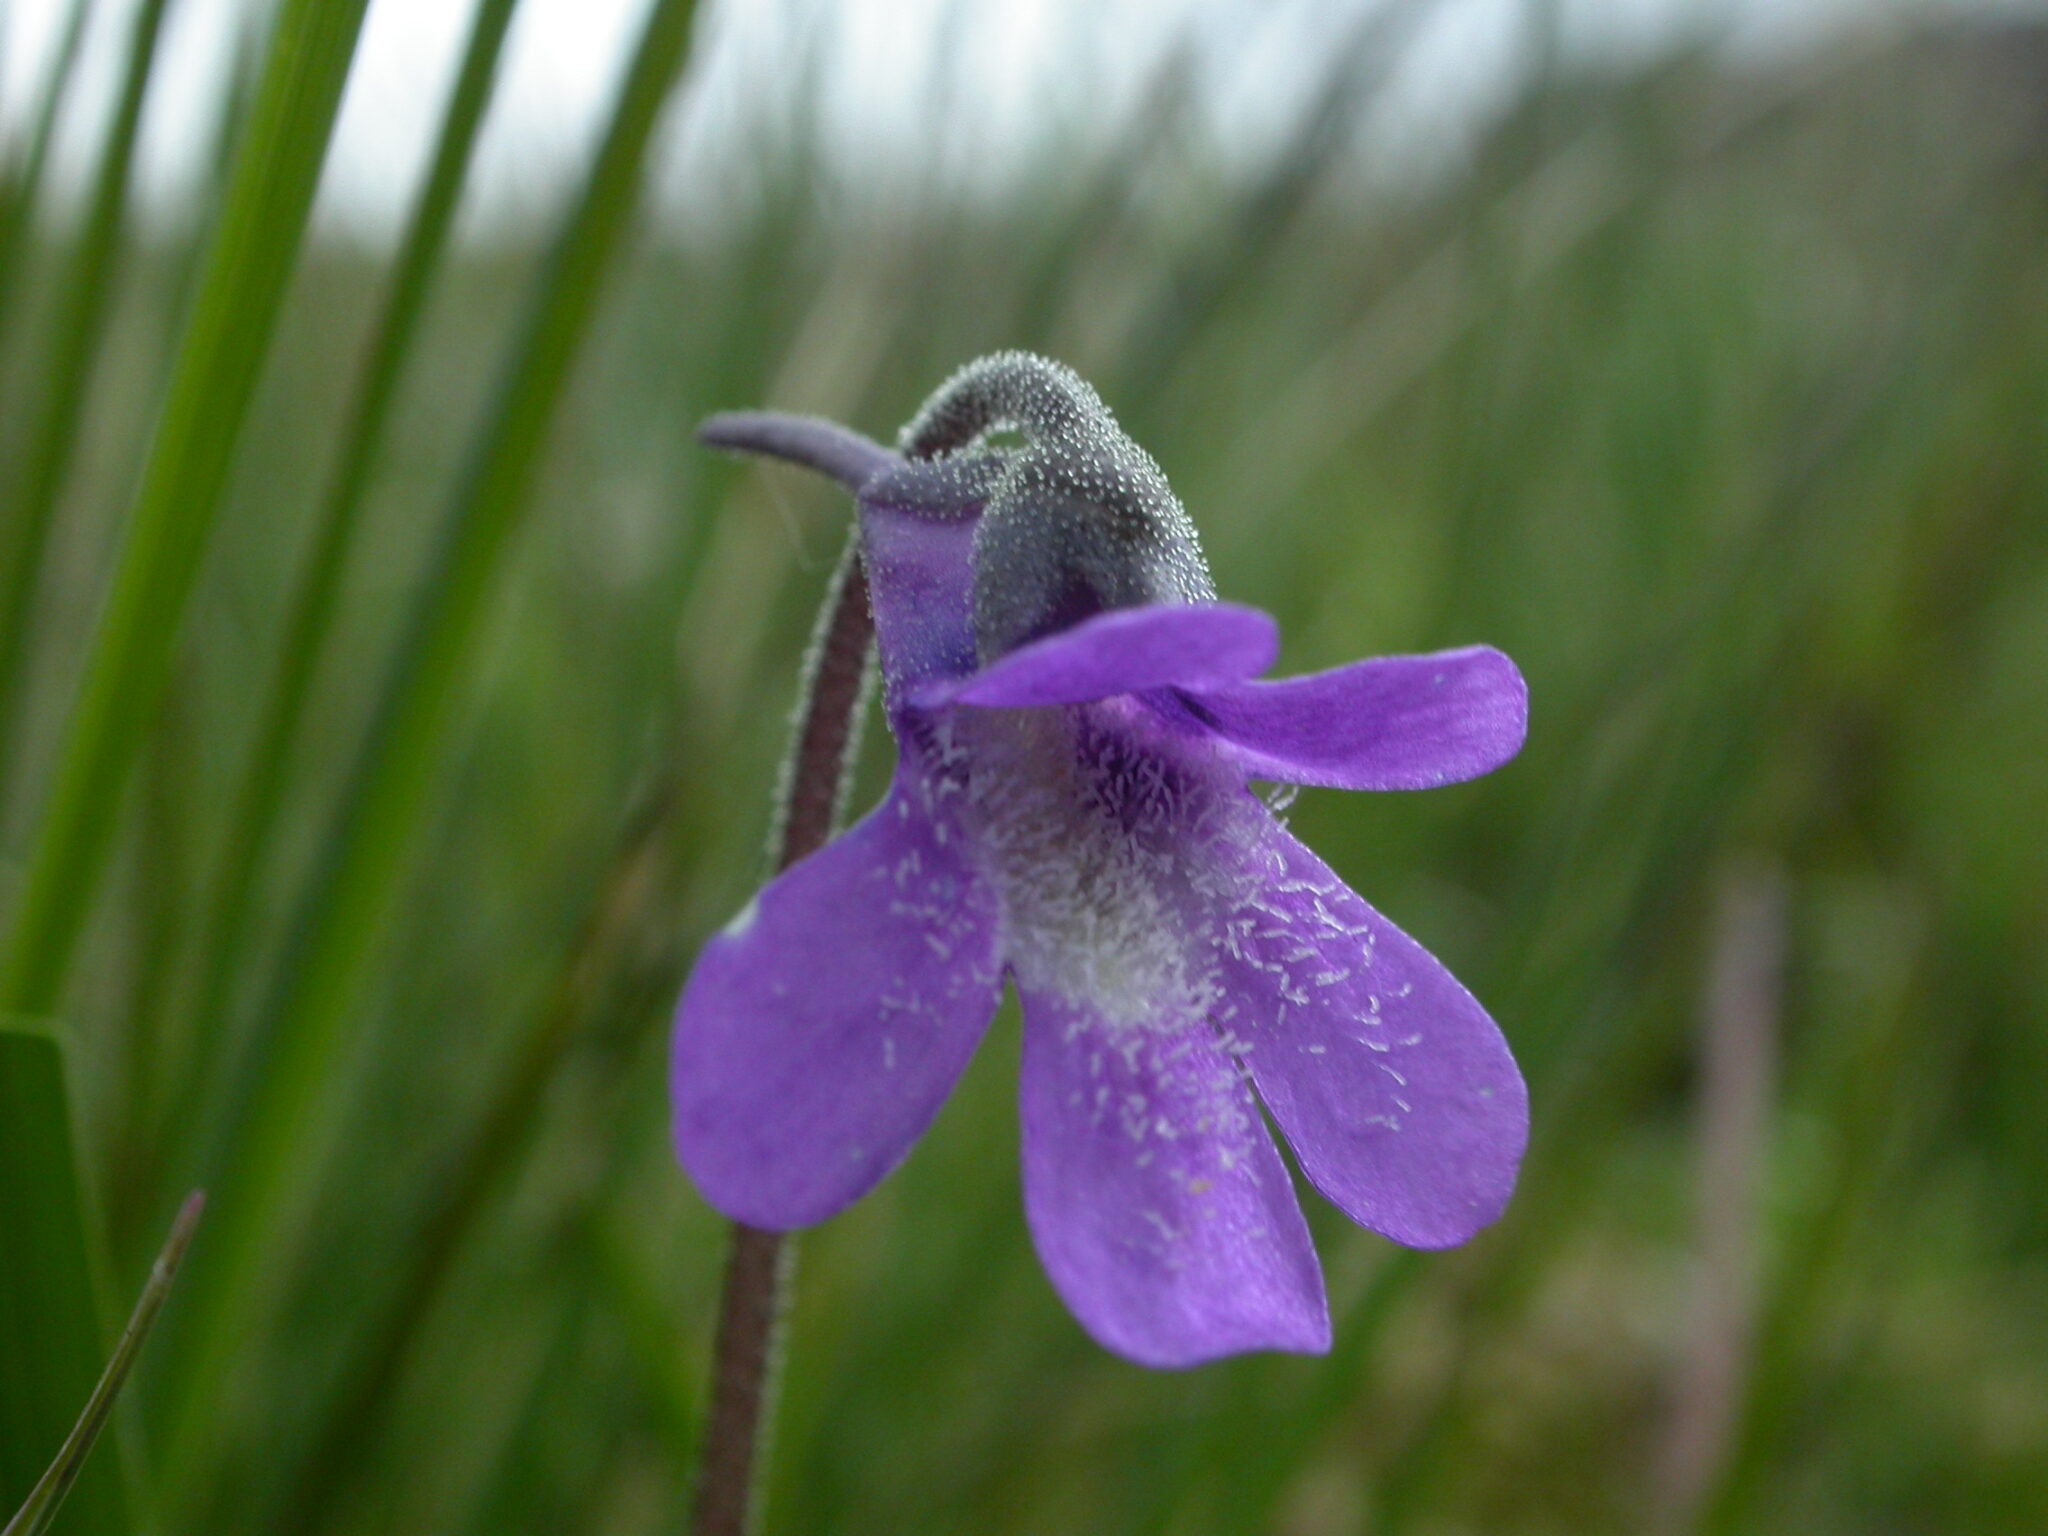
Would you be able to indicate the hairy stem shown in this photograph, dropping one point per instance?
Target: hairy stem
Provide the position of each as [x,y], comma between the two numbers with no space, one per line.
[757,1271]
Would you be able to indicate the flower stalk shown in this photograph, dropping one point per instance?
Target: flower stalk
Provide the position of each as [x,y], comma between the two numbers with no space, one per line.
[838,677]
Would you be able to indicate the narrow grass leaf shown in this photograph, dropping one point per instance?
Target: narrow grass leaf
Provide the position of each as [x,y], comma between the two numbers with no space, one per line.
[18,202]
[235,313]
[61,388]
[51,1337]
[624,907]
[312,610]
[284,1109]
[55,1484]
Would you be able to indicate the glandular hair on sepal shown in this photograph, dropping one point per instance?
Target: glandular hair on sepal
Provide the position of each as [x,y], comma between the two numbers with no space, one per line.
[1080,518]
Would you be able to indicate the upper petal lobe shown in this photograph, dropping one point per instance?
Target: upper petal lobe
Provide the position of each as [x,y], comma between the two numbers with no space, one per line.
[1393,722]
[1158,1203]
[1396,1091]
[1123,650]
[822,1029]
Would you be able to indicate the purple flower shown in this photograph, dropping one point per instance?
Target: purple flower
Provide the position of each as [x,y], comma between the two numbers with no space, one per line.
[1077,718]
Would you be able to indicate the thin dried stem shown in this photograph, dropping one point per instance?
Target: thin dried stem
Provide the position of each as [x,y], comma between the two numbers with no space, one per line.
[1738,1051]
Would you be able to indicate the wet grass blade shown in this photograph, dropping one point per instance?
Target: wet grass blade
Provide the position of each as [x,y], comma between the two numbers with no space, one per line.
[56,1483]
[240,292]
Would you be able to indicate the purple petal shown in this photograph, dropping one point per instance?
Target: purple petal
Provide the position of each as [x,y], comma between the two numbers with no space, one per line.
[1394,722]
[1394,1088]
[1160,1207]
[821,1030]
[920,590]
[1126,650]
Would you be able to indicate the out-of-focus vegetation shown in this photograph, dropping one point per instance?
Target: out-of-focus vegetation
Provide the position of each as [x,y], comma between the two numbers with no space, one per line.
[1716,394]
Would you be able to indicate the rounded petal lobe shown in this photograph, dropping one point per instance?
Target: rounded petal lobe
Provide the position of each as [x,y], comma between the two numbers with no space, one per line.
[1158,1203]
[1396,1091]
[1393,722]
[821,1030]
[1125,650]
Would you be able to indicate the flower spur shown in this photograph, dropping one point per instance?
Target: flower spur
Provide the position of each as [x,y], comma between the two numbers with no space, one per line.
[1077,717]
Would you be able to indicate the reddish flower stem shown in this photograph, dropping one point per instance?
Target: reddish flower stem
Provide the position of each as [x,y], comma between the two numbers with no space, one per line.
[758,1267]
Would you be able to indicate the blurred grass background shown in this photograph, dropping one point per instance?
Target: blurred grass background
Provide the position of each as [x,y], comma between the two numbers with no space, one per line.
[440,691]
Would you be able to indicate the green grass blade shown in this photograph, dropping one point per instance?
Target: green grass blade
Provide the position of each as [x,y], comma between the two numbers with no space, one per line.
[240,293]
[55,1484]
[61,388]
[624,910]
[1224,260]
[51,1337]
[277,1131]
[312,611]
[18,211]
[160,897]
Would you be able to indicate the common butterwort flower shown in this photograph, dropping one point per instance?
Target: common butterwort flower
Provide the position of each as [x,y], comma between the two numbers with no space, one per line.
[1077,719]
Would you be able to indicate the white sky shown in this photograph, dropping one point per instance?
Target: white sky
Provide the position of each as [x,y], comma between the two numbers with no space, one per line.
[1014,63]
